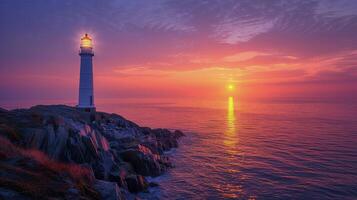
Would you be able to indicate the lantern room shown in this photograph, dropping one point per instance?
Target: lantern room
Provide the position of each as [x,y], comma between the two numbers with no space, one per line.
[86,42]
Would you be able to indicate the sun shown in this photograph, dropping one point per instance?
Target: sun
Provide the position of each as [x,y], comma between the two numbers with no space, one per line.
[230,87]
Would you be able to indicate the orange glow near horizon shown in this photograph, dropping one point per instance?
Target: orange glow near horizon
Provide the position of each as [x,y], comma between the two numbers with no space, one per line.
[154,57]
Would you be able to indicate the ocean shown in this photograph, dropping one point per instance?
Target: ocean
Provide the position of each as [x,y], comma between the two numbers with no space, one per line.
[238,150]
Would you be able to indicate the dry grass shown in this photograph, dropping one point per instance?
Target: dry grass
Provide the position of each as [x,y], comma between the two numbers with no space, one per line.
[32,173]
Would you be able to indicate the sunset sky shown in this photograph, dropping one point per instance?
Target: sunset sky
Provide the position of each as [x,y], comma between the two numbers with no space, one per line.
[269,49]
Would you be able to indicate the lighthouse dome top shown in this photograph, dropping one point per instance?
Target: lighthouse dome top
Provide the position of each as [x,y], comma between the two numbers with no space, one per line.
[86,41]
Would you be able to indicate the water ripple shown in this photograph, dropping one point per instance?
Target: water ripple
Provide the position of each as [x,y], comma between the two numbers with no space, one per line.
[289,153]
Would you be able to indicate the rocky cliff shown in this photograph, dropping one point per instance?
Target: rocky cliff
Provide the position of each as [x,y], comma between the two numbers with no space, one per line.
[61,152]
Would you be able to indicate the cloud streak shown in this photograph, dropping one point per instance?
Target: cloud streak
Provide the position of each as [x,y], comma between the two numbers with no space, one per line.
[180,44]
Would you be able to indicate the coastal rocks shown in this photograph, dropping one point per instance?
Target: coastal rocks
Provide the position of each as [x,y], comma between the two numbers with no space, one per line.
[117,152]
[153,184]
[166,139]
[136,183]
[177,134]
[118,175]
[160,140]
[145,162]
[23,174]
[108,190]
[11,194]
[10,133]
[102,167]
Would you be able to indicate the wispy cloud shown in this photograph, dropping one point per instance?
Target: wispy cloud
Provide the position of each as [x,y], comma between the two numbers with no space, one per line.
[232,32]
[243,56]
[150,14]
[340,8]
[173,42]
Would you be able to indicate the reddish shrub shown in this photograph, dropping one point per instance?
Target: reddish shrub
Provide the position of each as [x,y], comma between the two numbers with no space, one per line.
[32,173]
[77,172]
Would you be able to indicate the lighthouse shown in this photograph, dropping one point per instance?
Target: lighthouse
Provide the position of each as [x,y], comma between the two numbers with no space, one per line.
[86,96]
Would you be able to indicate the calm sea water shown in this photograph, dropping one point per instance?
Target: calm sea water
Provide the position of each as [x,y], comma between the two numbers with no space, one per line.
[256,150]
[237,150]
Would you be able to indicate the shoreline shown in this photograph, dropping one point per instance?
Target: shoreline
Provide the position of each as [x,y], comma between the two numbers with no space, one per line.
[110,154]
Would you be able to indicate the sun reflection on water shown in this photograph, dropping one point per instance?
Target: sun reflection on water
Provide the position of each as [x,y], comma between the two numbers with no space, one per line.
[230,144]
[230,134]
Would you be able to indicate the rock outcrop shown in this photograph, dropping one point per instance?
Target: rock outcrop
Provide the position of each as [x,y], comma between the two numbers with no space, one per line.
[117,153]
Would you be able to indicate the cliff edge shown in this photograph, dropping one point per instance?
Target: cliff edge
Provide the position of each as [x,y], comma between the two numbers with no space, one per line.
[58,151]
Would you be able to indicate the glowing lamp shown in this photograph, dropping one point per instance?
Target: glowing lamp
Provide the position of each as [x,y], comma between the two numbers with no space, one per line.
[86,42]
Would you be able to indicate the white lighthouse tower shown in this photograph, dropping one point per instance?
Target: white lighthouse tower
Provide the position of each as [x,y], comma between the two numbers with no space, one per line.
[86,96]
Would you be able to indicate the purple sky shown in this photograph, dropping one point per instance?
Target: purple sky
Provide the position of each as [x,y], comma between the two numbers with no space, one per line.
[286,49]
